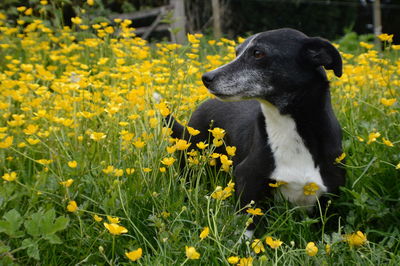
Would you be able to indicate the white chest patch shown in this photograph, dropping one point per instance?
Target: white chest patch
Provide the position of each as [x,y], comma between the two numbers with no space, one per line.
[298,180]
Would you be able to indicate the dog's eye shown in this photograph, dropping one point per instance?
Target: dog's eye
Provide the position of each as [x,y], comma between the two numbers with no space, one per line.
[258,54]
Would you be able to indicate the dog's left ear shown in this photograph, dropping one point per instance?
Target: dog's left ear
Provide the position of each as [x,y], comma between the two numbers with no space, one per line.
[320,52]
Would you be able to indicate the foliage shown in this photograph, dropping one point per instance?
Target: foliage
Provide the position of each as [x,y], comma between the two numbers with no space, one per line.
[89,175]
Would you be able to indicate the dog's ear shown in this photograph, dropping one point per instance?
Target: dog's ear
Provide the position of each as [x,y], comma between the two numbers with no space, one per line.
[320,52]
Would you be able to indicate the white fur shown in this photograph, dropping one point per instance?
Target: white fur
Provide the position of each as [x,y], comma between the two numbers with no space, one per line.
[293,161]
[248,235]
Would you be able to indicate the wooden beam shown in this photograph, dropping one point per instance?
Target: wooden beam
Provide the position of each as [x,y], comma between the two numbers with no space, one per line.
[154,12]
[377,22]
[216,13]
[179,22]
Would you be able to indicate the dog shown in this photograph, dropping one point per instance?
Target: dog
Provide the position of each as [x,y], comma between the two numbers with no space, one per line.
[274,102]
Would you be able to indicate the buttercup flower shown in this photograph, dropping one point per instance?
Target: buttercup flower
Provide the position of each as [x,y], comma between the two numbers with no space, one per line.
[72,206]
[256,211]
[191,253]
[310,189]
[205,232]
[257,246]
[233,260]
[356,239]
[311,249]
[272,242]
[115,229]
[10,176]
[134,255]
[67,183]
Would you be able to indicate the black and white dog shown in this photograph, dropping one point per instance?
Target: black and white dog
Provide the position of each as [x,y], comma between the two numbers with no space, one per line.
[276,109]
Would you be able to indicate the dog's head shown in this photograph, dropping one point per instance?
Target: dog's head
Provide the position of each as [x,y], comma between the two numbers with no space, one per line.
[274,65]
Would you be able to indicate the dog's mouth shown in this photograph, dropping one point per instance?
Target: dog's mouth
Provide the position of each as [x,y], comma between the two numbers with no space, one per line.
[226,97]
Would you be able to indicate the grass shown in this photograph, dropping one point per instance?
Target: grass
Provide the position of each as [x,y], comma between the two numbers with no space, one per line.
[78,124]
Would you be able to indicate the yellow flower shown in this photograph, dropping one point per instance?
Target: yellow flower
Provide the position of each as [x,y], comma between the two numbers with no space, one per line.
[277,184]
[217,142]
[398,166]
[230,150]
[72,206]
[384,37]
[72,164]
[163,169]
[273,243]
[138,143]
[97,218]
[205,232]
[97,136]
[28,12]
[67,183]
[340,158]
[257,246]
[108,170]
[225,161]
[192,39]
[129,171]
[366,45]
[182,144]
[118,172]
[387,142]
[21,8]
[10,176]
[115,229]
[192,131]
[76,20]
[373,136]
[246,261]
[356,239]
[134,255]
[31,129]
[191,253]
[168,161]
[311,249]
[310,189]
[44,161]
[328,249]
[113,220]
[222,194]
[256,211]
[7,142]
[233,260]
[217,133]
[147,170]
[201,145]
[32,141]
[90,2]
[388,102]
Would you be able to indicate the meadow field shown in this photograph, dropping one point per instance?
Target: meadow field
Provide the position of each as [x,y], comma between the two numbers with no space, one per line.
[90,175]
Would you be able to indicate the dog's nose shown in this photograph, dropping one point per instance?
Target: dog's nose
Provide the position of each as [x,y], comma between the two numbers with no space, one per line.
[208,78]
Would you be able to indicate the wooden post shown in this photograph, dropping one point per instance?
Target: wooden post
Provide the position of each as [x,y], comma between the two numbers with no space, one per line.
[377,22]
[216,13]
[179,22]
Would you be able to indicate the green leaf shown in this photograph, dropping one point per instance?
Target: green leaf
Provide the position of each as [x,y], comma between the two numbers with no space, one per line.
[4,248]
[33,226]
[32,248]
[47,221]
[60,224]
[11,223]
[53,239]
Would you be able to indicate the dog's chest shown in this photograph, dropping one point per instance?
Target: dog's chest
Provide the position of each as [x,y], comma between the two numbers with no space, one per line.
[297,178]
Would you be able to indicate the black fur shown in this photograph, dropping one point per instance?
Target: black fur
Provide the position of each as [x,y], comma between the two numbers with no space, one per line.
[285,68]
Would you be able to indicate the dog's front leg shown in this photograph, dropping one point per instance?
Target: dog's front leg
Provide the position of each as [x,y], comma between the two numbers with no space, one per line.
[251,179]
